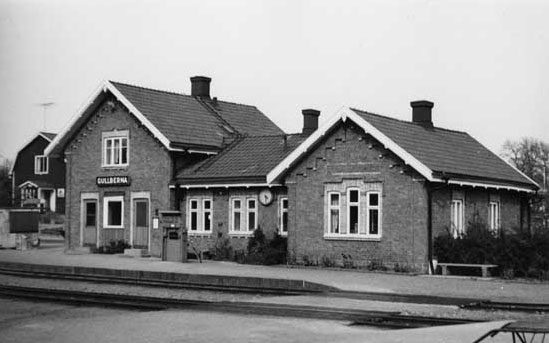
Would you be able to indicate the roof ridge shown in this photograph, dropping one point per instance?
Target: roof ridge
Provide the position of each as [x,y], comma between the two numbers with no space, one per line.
[211,109]
[406,121]
[149,88]
[273,135]
[236,103]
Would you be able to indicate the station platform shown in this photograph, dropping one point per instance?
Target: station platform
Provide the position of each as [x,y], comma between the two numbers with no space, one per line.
[289,277]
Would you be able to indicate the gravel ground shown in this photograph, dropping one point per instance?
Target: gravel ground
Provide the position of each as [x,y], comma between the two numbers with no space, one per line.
[321,301]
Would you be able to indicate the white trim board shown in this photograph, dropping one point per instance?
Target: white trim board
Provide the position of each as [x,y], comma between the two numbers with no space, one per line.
[104,87]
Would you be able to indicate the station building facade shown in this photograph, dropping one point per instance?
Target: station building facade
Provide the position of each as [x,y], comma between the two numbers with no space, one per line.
[361,188]
[123,149]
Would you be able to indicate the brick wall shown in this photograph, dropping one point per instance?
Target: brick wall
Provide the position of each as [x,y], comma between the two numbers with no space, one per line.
[477,202]
[150,170]
[349,154]
[268,216]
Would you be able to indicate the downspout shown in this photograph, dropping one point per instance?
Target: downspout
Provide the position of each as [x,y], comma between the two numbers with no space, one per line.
[68,201]
[430,191]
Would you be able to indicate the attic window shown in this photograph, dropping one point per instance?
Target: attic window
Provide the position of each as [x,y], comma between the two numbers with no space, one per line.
[40,164]
[116,145]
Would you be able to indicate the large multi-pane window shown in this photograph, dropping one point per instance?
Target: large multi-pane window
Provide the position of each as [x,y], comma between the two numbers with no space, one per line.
[494,216]
[353,210]
[40,165]
[243,215]
[199,219]
[116,148]
[283,207]
[456,212]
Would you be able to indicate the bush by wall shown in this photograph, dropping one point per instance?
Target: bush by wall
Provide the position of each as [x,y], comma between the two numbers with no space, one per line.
[260,250]
[114,247]
[517,255]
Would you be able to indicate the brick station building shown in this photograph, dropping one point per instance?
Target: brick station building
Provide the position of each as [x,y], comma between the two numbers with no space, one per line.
[363,186]
[124,147]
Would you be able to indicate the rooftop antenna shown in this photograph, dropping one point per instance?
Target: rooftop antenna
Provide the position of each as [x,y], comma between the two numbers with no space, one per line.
[45,106]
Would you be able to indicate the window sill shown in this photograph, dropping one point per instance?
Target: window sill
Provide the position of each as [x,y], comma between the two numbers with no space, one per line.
[199,233]
[240,234]
[352,238]
[121,167]
[113,227]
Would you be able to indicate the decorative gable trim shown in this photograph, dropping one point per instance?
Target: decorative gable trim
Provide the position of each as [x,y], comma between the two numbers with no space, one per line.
[348,114]
[104,87]
[342,116]
[28,183]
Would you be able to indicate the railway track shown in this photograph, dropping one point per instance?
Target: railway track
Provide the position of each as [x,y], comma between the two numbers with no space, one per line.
[393,320]
[464,303]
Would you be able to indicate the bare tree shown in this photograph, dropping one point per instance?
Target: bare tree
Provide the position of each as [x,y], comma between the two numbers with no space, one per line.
[531,156]
[5,183]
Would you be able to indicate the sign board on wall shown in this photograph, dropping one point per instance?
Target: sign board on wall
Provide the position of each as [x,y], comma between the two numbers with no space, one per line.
[60,192]
[112,181]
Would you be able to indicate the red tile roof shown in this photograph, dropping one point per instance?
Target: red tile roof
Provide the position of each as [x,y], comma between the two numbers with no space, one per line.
[446,151]
[186,120]
[246,159]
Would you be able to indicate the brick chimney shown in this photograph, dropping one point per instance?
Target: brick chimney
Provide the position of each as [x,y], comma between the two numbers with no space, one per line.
[421,112]
[200,86]
[310,121]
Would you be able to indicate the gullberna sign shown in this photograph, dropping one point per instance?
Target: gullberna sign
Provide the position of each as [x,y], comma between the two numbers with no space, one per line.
[109,181]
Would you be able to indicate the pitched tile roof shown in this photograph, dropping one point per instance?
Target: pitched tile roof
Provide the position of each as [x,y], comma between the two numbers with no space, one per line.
[186,120]
[445,151]
[248,158]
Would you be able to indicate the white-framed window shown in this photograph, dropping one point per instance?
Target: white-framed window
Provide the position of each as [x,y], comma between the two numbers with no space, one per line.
[494,216]
[243,214]
[116,146]
[200,210]
[361,217]
[113,212]
[40,164]
[283,210]
[456,212]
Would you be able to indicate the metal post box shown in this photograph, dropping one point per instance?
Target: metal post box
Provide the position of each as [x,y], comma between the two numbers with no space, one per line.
[174,237]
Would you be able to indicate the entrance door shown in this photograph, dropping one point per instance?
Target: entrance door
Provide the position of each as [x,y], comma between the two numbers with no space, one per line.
[141,223]
[90,222]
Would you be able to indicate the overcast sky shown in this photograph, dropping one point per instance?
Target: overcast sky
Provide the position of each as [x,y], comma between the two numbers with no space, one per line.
[485,64]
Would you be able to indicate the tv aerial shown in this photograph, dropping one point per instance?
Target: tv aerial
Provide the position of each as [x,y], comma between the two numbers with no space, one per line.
[45,106]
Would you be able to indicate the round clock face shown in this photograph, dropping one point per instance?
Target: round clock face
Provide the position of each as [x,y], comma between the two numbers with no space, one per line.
[265,197]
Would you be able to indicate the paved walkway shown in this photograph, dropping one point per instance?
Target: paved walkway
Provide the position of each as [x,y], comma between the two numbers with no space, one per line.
[493,289]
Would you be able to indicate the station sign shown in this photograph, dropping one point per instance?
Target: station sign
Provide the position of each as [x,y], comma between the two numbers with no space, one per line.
[113,181]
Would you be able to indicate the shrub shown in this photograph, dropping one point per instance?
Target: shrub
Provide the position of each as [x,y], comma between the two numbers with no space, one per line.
[348,261]
[328,261]
[222,249]
[518,255]
[265,252]
[114,247]
[377,264]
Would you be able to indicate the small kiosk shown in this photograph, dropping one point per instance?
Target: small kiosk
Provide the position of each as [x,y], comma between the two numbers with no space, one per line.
[174,237]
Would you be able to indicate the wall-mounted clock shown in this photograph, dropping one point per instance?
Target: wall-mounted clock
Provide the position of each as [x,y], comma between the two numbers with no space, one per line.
[265,197]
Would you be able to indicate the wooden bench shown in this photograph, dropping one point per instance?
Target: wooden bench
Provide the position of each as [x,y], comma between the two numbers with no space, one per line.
[485,267]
